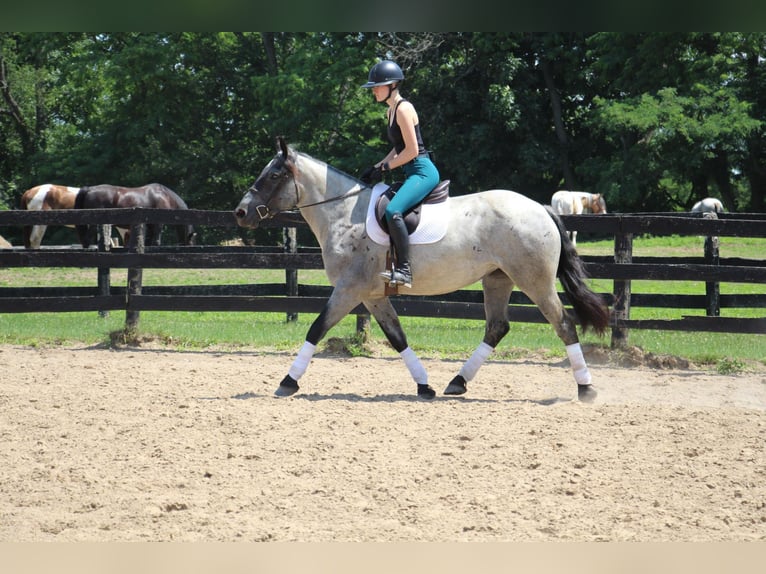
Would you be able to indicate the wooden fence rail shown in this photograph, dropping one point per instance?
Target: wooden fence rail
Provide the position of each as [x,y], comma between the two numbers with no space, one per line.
[621,268]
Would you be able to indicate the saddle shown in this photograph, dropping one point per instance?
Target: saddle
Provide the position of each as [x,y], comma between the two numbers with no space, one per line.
[438,194]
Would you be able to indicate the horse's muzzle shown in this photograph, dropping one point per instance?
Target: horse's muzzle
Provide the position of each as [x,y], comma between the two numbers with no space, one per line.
[250,216]
[244,220]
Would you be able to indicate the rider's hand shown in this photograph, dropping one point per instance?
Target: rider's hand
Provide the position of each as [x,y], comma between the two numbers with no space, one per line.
[372,175]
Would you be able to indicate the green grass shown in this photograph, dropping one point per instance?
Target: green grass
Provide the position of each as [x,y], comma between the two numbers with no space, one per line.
[430,337]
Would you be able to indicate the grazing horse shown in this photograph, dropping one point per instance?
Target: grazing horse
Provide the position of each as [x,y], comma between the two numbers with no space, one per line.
[499,237]
[708,205]
[576,203]
[153,195]
[43,198]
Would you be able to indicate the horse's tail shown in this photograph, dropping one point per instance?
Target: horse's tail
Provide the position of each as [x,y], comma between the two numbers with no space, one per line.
[588,305]
[82,229]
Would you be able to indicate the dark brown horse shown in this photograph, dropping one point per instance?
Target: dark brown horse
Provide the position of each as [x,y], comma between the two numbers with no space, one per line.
[153,195]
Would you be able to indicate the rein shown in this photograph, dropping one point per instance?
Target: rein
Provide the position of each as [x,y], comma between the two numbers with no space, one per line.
[264,212]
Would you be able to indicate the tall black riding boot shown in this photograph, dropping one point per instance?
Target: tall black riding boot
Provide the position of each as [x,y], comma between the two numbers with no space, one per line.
[402,273]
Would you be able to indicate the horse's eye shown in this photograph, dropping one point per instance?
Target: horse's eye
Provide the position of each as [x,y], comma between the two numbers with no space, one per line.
[275,175]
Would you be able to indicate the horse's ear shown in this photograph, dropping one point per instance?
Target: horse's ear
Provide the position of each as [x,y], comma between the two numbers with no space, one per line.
[282,145]
[287,156]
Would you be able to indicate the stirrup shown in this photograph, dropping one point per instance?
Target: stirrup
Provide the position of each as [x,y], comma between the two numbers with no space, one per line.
[401,277]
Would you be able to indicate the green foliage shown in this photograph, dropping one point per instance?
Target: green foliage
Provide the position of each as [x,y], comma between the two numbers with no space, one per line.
[730,366]
[652,120]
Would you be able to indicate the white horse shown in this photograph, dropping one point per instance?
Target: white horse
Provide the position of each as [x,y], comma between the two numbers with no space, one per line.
[43,198]
[576,203]
[499,237]
[708,205]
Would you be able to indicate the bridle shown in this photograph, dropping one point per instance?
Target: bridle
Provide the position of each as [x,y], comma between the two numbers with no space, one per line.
[264,211]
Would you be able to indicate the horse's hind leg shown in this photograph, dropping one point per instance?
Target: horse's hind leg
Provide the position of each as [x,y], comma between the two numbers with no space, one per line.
[551,307]
[497,293]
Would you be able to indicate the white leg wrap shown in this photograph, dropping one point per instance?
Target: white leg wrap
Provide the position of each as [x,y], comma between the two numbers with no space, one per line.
[301,362]
[471,367]
[414,365]
[577,361]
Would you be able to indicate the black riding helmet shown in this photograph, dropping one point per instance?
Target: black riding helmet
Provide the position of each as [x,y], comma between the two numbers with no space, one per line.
[384,73]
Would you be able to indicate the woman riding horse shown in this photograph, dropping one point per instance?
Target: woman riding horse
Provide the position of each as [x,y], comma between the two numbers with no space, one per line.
[409,153]
[506,240]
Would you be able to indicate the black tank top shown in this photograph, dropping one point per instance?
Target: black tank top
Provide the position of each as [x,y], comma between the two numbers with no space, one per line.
[395,134]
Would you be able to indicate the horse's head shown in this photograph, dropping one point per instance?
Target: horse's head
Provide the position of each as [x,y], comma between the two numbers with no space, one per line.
[597,203]
[274,191]
[187,235]
[191,235]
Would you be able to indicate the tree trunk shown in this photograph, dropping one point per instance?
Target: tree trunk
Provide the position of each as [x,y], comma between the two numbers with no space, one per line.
[14,111]
[271,52]
[558,123]
[720,170]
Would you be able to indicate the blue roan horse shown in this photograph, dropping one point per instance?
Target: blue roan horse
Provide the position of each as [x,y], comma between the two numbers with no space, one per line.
[153,195]
[500,237]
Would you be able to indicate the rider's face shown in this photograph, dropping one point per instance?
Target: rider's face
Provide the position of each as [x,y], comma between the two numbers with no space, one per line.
[380,93]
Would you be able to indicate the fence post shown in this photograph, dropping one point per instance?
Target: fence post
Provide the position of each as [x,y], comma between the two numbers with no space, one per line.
[290,238]
[104,280]
[712,257]
[137,244]
[363,326]
[623,253]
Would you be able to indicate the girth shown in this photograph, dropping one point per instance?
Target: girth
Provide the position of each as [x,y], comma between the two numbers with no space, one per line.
[412,216]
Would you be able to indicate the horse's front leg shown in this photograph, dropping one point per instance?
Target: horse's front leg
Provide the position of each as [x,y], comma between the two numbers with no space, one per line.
[338,306]
[33,236]
[386,316]
[153,235]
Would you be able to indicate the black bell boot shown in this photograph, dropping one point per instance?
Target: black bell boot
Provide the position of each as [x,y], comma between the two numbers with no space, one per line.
[402,273]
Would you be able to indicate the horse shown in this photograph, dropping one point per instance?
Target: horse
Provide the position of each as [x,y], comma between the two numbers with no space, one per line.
[500,237]
[708,205]
[576,203]
[43,198]
[153,195]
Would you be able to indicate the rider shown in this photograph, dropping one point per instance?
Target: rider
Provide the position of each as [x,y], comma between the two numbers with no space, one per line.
[409,153]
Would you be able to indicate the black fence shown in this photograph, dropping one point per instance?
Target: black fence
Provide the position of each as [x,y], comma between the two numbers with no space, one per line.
[292,297]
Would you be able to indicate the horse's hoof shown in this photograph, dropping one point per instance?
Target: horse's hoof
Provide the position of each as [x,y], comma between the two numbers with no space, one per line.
[586,393]
[426,392]
[457,386]
[287,387]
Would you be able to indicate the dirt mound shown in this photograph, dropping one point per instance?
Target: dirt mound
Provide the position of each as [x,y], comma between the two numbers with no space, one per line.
[632,357]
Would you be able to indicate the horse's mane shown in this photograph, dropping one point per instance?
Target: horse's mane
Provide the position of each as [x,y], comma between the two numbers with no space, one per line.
[328,166]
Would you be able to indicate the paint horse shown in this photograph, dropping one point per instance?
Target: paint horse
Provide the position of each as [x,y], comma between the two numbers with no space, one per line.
[576,203]
[153,195]
[500,237]
[43,198]
[708,205]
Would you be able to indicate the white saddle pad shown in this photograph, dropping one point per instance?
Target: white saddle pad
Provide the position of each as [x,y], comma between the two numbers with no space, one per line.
[432,227]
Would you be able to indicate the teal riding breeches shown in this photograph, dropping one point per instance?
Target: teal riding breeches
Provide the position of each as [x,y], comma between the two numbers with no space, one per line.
[421,176]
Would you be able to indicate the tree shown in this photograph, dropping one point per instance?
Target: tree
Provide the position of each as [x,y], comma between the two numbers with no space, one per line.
[673,116]
[653,120]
